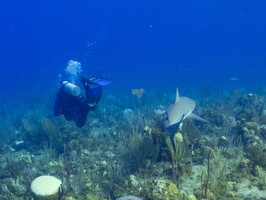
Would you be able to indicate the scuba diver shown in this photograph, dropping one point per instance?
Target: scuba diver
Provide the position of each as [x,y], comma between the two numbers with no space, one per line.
[70,102]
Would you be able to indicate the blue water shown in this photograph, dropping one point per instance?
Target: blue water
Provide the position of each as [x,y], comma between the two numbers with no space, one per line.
[153,44]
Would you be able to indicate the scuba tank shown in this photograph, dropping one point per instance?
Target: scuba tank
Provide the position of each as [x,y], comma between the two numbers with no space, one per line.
[71,88]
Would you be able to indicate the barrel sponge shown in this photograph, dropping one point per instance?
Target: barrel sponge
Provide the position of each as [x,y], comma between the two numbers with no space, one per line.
[45,186]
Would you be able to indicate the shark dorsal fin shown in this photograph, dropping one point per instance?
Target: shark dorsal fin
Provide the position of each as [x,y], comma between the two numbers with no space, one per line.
[177,95]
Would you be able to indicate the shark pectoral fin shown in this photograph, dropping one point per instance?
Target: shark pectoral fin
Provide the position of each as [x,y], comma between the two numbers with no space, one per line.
[194,116]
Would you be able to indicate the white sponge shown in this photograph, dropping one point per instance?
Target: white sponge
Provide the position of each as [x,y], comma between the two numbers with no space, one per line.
[45,186]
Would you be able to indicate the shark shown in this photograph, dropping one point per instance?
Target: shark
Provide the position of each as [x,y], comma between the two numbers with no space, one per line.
[181,109]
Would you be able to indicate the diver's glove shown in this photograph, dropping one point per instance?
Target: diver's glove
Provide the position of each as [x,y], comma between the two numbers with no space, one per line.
[85,81]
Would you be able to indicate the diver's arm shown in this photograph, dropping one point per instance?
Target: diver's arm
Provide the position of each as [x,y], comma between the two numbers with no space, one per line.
[84,81]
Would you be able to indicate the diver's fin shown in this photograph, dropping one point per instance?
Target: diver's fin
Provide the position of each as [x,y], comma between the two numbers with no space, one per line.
[99,81]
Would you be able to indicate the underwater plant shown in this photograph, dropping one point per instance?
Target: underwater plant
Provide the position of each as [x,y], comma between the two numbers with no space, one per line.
[178,154]
[217,171]
[257,155]
[261,175]
[69,164]
[140,148]
[249,106]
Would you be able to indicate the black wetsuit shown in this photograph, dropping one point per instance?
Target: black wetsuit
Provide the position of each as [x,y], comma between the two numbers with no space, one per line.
[77,108]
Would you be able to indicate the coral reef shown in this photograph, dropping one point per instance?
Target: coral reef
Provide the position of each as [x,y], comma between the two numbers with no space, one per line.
[123,153]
